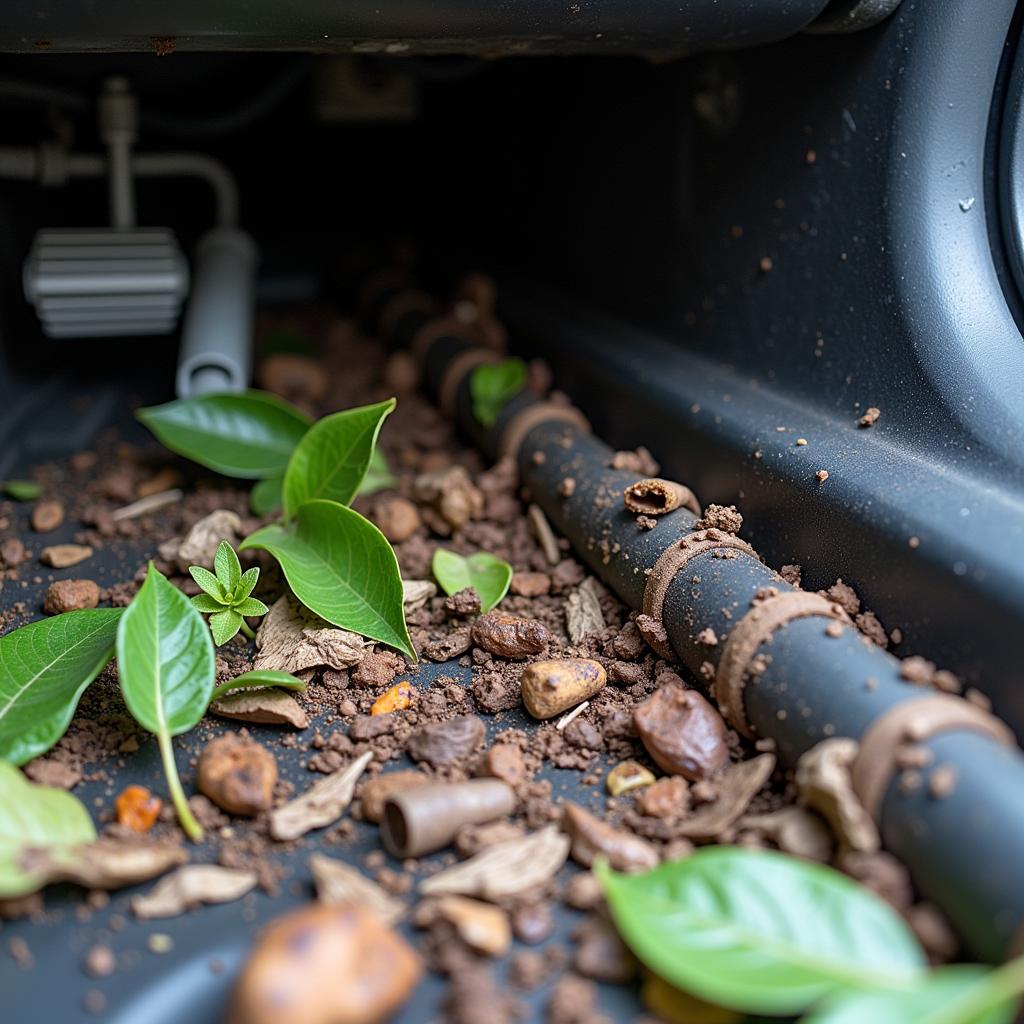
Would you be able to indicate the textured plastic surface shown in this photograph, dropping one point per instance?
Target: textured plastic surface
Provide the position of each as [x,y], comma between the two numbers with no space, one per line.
[453,26]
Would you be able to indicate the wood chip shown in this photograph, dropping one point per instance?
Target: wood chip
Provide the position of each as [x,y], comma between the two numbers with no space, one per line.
[583,615]
[337,882]
[481,926]
[544,534]
[505,868]
[292,639]
[145,505]
[416,593]
[823,779]
[268,707]
[192,886]
[322,804]
[63,556]
[737,786]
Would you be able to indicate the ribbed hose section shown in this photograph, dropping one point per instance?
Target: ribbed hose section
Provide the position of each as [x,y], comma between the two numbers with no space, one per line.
[811,679]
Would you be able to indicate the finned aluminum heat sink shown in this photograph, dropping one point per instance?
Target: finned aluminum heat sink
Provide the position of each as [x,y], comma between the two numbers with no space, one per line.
[99,282]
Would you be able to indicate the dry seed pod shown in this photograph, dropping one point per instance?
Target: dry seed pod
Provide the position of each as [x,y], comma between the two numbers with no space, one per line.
[655,497]
[551,687]
[426,818]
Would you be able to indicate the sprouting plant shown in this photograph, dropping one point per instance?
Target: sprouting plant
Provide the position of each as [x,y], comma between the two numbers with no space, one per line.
[226,594]
[492,385]
[336,562]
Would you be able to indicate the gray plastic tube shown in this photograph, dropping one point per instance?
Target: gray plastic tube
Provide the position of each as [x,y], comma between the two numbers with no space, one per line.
[216,339]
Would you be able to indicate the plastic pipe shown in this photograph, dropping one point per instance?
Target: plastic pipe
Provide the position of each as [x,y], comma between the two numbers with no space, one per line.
[420,821]
[820,678]
[216,338]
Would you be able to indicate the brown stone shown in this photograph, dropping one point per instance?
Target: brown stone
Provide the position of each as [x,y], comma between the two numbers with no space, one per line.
[47,516]
[63,556]
[397,518]
[682,732]
[601,954]
[12,552]
[293,376]
[70,596]
[447,742]
[551,687]
[237,774]
[504,761]
[325,965]
[530,584]
[667,798]
[509,636]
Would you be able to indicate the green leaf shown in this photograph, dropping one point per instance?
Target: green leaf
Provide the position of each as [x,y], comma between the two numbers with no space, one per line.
[166,663]
[265,497]
[340,566]
[227,567]
[250,606]
[39,825]
[44,669]
[259,679]
[757,931]
[247,584]
[378,475]
[493,385]
[22,490]
[487,575]
[208,583]
[224,625]
[948,995]
[331,460]
[207,605]
[251,435]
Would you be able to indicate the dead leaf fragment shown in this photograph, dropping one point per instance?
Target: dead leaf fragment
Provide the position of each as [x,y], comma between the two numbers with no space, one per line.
[795,831]
[191,886]
[268,707]
[322,804]
[583,615]
[113,863]
[481,926]
[737,786]
[823,779]
[200,543]
[505,868]
[293,639]
[416,593]
[337,882]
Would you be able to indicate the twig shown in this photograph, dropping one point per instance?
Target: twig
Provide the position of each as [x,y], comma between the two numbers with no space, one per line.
[570,715]
[148,504]
[545,535]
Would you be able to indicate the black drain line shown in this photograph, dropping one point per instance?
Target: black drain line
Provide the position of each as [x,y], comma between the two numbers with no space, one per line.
[788,665]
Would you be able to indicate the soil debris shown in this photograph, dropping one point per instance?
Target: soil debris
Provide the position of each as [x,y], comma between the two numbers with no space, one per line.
[70,596]
[292,639]
[509,636]
[63,556]
[338,883]
[583,615]
[823,780]
[265,707]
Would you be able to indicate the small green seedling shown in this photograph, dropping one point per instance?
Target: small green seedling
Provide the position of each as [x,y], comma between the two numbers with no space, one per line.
[225,596]
[493,385]
[22,490]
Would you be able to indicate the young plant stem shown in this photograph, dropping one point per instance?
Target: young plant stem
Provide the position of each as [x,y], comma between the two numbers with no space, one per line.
[1004,983]
[247,630]
[188,822]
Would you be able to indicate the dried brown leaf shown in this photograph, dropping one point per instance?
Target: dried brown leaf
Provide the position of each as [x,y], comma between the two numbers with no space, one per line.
[505,868]
[200,544]
[823,778]
[583,615]
[338,882]
[292,639]
[191,886]
[112,863]
[268,707]
[795,831]
[322,804]
[416,593]
[737,786]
